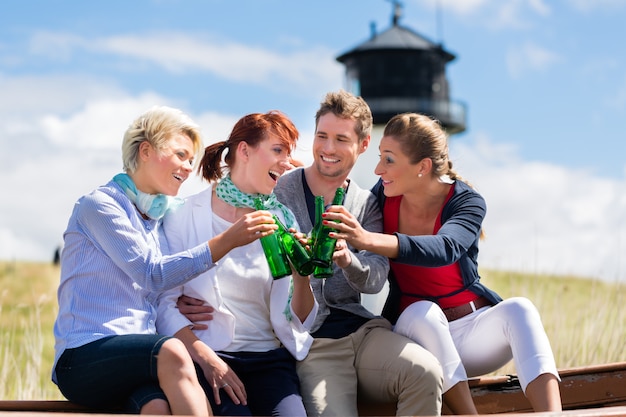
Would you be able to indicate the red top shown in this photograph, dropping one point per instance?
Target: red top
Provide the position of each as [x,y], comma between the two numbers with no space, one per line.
[421,280]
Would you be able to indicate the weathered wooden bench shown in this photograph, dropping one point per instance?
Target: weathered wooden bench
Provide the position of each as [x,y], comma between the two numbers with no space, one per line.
[599,389]
[581,388]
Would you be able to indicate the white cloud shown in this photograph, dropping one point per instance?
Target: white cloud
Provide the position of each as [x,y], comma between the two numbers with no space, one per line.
[543,217]
[39,195]
[507,15]
[13,247]
[100,124]
[586,6]
[60,138]
[56,46]
[462,7]
[529,57]
[51,155]
[182,53]
[540,7]
[32,94]
[494,14]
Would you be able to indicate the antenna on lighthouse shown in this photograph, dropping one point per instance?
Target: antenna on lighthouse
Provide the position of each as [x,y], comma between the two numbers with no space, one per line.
[397,11]
[439,23]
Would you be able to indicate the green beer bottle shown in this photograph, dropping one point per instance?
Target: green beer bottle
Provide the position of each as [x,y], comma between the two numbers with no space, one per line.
[273,250]
[297,254]
[319,210]
[319,271]
[324,245]
[322,272]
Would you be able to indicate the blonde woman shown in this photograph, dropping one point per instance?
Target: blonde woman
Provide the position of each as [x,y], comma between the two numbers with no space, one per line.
[107,352]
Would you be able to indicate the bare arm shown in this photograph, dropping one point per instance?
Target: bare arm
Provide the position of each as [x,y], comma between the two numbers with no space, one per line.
[216,371]
[303,300]
[246,229]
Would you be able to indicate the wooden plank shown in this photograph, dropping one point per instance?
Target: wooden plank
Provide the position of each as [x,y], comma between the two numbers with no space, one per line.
[593,412]
[595,387]
[54,414]
[50,406]
[583,387]
[41,405]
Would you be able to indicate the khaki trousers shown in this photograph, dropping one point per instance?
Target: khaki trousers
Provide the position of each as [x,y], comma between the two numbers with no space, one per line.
[375,364]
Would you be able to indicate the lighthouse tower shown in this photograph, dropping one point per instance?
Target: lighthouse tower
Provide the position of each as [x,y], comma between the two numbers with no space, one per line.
[397,71]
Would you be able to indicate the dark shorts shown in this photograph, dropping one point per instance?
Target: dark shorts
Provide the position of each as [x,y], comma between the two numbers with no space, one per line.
[271,383]
[115,372]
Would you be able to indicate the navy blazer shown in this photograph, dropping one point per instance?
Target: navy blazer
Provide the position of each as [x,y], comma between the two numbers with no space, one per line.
[456,241]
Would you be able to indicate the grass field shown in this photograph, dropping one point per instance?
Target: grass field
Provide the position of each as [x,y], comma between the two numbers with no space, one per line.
[27,311]
[585,320]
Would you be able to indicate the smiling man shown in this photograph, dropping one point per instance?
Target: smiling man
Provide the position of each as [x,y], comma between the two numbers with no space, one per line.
[354,352]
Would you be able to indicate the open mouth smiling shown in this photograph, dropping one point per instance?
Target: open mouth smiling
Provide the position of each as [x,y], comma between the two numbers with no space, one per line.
[274,175]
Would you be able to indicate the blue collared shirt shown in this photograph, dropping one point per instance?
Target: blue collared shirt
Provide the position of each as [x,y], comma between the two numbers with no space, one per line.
[112,270]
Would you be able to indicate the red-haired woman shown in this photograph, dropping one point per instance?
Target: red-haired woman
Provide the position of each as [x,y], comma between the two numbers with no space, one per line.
[247,353]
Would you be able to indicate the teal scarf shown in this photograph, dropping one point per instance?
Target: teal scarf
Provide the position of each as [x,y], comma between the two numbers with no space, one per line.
[154,206]
[228,192]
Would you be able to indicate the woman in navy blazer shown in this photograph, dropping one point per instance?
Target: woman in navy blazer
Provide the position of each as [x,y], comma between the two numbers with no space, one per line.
[432,225]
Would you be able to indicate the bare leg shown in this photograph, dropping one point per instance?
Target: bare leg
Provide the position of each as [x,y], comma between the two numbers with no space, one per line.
[179,382]
[543,393]
[459,399]
[157,407]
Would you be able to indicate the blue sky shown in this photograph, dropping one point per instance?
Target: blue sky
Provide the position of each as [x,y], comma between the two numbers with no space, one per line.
[544,83]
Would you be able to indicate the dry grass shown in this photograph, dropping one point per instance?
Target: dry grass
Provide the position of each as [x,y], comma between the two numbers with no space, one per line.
[584,320]
[27,312]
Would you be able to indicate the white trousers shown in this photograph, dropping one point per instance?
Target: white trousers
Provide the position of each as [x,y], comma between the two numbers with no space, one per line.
[483,341]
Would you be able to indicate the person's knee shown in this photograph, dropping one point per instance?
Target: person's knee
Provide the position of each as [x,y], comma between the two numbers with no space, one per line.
[422,319]
[174,358]
[421,310]
[431,372]
[158,407]
[520,307]
[421,385]
[423,368]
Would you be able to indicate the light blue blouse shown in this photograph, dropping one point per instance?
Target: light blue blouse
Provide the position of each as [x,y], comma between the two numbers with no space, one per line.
[112,270]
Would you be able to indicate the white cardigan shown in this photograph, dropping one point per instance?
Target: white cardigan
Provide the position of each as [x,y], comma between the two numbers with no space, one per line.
[189,226]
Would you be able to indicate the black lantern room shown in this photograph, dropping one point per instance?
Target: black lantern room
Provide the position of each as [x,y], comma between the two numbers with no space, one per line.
[399,71]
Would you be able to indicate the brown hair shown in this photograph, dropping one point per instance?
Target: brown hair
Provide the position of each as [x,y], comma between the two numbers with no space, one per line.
[252,129]
[421,137]
[348,106]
